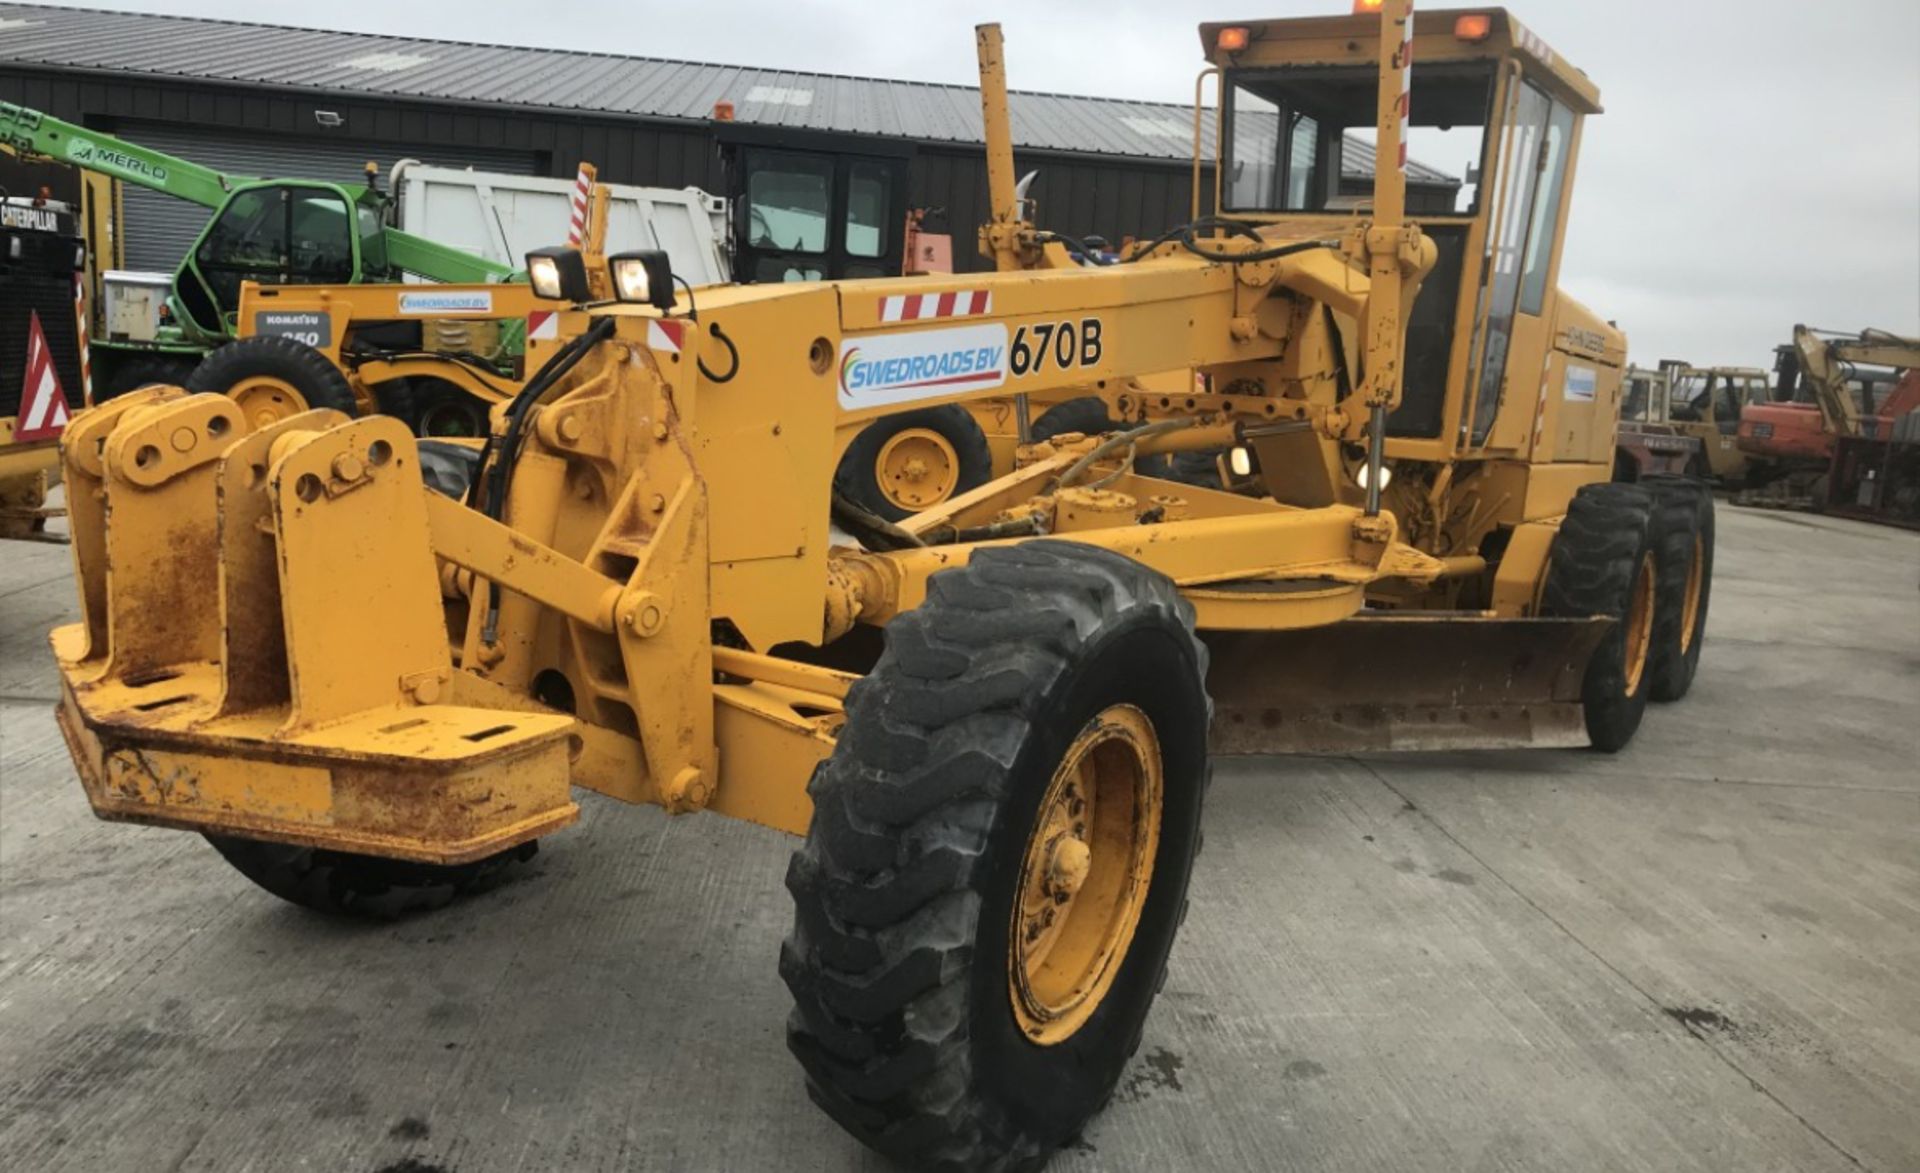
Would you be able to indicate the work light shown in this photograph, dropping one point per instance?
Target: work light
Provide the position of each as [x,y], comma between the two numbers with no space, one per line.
[558,274]
[645,276]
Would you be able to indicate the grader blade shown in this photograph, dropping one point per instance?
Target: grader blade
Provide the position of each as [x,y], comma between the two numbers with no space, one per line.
[1432,681]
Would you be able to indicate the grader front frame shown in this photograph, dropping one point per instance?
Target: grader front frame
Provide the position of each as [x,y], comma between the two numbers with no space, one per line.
[370,695]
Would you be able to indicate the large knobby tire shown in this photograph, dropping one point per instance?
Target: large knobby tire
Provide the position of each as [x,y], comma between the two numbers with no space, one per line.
[1602,562]
[1683,528]
[925,1028]
[913,460]
[272,378]
[141,370]
[360,885]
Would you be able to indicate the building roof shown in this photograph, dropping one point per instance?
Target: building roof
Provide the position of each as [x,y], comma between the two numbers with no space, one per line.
[320,61]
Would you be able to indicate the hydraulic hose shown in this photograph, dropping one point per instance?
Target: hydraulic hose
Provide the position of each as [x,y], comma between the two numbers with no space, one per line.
[1119,440]
[499,477]
[1187,235]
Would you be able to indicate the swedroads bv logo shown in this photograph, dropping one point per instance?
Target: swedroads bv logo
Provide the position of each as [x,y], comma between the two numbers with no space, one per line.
[900,368]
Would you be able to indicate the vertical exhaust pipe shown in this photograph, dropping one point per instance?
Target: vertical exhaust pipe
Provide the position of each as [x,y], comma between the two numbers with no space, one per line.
[999,239]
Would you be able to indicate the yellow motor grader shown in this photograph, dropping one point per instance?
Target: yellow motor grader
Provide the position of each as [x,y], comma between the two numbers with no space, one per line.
[991,721]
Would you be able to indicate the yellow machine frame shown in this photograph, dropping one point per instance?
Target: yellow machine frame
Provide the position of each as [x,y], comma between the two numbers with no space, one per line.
[640,517]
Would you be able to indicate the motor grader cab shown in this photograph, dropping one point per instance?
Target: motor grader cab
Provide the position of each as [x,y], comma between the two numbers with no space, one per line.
[1503,371]
[991,721]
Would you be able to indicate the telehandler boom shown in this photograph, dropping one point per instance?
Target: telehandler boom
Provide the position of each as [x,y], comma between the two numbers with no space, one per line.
[283,231]
[991,721]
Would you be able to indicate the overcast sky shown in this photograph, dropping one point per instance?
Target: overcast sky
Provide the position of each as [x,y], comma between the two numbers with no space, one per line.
[1758,164]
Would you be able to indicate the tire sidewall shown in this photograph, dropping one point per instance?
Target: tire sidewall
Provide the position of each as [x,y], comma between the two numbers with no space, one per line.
[1675,668]
[1613,714]
[1049,1092]
[304,369]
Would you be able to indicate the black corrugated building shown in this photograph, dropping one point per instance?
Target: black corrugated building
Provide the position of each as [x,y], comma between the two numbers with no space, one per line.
[275,101]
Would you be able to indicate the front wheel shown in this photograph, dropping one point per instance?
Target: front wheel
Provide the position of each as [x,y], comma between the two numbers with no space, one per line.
[273,377]
[998,858]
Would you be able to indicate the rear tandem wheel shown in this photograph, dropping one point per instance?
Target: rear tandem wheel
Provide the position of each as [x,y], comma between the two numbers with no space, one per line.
[1683,524]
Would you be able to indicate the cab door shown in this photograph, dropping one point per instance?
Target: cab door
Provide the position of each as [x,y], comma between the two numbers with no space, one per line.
[1517,307]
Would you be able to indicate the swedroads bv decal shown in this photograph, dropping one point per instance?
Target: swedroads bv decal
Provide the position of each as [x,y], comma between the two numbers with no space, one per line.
[900,368]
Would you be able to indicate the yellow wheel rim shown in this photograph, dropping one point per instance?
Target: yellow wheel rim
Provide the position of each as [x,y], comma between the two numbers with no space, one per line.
[917,468]
[1084,879]
[1639,622]
[265,400]
[1696,578]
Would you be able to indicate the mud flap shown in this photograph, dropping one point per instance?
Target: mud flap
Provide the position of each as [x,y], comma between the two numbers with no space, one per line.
[1432,681]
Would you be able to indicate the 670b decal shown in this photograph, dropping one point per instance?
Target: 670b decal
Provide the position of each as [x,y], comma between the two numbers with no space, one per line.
[1059,345]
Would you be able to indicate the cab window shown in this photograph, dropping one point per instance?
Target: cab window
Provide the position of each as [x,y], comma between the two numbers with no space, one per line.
[321,234]
[248,242]
[1546,216]
[868,217]
[789,201]
[1289,132]
[1726,405]
[373,243]
[1687,400]
[1639,398]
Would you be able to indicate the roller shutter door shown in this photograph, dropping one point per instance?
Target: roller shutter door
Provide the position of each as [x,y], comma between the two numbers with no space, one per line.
[160,228]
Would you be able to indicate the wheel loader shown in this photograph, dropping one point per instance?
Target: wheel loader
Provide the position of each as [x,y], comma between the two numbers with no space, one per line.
[991,722]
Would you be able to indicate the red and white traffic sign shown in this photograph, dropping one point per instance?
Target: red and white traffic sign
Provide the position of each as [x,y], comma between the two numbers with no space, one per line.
[43,404]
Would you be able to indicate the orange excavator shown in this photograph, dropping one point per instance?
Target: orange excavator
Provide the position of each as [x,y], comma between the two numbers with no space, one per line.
[1827,398]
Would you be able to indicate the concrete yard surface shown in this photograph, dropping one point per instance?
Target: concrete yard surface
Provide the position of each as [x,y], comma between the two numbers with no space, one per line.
[1702,953]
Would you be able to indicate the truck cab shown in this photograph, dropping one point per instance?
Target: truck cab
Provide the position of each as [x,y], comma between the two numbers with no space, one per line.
[1501,369]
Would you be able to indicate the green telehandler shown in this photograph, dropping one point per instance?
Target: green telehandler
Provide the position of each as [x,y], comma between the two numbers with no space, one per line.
[269,231]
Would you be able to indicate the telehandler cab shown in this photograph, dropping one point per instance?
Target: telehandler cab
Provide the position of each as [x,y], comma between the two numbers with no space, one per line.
[991,721]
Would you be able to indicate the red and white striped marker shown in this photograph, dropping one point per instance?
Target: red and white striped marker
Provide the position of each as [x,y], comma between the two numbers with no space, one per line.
[80,319]
[915,307]
[543,324]
[1406,83]
[577,224]
[43,404]
[668,334]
